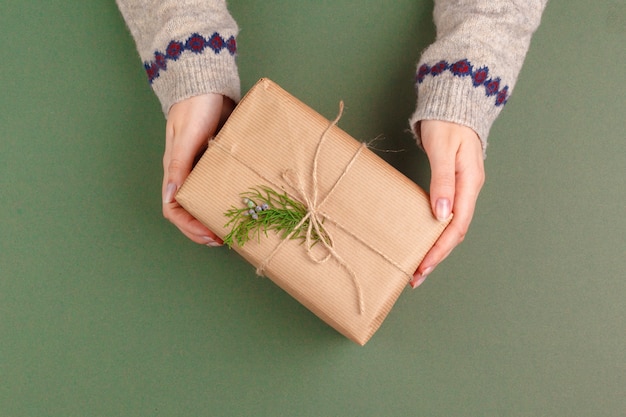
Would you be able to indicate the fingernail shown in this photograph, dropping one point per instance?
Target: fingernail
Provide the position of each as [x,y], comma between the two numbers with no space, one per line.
[211,242]
[442,209]
[418,279]
[170,190]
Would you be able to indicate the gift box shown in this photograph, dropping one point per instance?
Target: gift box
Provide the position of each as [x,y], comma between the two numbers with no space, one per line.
[365,227]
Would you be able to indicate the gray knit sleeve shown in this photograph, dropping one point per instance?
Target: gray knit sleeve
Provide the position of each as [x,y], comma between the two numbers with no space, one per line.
[187,47]
[467,75]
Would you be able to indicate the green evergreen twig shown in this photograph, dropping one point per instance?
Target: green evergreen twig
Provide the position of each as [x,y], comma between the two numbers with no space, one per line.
[264,210]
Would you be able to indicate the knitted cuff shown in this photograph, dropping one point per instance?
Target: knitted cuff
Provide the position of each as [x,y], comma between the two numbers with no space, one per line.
[456,99]
[194,74]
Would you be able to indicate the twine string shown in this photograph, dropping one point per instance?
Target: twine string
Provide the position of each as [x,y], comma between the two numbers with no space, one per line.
[315,218]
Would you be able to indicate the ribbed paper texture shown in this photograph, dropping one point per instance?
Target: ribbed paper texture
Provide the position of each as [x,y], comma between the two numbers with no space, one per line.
[380,221]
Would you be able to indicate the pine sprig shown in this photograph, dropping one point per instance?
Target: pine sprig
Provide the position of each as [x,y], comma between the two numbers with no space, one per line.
[267,210]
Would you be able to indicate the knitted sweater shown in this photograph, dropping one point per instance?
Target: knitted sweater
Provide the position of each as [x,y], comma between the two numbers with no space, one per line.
[466,76]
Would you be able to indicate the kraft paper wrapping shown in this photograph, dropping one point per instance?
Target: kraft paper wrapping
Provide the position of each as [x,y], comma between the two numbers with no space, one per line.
[380,221]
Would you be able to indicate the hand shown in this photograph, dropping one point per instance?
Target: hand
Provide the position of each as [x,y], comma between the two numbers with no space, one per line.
[190,125]
[456,160]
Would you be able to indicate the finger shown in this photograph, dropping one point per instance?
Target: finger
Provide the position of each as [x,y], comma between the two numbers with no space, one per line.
[451,237]
[191,227]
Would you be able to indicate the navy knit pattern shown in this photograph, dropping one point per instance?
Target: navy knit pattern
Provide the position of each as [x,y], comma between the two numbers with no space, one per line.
[196,44]
[479,76]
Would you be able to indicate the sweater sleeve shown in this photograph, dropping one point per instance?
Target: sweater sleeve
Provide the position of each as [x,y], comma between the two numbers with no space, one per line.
[188,47]
[467,75]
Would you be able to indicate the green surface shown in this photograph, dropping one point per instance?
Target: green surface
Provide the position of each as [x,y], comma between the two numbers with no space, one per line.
[106,310]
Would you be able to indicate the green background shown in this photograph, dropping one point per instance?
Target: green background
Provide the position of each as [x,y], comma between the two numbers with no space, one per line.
[106,310]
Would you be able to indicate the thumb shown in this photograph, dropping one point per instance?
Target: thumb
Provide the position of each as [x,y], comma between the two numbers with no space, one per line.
[189,126]
[442,190]
[176,172]
[177,163]
[178,159]
[442,157]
